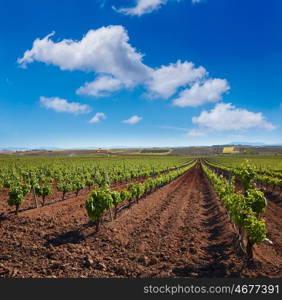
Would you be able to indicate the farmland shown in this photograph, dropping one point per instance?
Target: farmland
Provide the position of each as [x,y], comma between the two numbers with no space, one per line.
[140,216]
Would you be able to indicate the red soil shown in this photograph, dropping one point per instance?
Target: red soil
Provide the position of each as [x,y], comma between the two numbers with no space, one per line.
[181,230]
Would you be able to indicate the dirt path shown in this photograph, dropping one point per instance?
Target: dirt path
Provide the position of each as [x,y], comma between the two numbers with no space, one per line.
[184,233]
[181,230]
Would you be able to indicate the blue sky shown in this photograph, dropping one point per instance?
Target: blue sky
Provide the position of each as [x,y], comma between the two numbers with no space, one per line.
[140,73]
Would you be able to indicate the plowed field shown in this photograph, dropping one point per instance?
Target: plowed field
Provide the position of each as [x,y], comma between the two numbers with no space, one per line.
[181,230]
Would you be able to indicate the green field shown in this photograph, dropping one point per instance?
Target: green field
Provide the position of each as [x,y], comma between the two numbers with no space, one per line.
[271,162]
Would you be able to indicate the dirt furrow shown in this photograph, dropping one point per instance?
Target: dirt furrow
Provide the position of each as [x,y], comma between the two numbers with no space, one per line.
[181,230]
[161,233]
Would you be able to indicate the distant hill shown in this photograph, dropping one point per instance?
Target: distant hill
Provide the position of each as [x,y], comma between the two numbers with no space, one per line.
[218,149]
[257,144]
[248,143]
[239,148]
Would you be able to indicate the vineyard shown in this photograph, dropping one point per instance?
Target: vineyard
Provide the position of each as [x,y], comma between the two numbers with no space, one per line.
[140,216]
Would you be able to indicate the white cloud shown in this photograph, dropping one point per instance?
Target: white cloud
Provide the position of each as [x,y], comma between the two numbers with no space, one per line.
[62,105]
[105,50]
[100,87]
[195,133]
[225,116]
[98,117]
[166,80]
[145,7]
[107,53]
[133,120]
[209,91]
[142,7]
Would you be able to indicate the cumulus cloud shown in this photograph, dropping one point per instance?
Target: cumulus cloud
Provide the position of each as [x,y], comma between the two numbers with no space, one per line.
[166,80]
[101,87]
[133,120]
[145,7]
[225,116]
[209,91]
[98,117]
[62,105]
[142,7]
[105,50]
[195,133]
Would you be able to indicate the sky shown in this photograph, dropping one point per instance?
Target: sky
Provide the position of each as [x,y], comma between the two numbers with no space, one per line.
[108,73]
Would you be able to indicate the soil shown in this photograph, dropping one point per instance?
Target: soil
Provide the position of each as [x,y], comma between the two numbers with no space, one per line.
[181,230]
